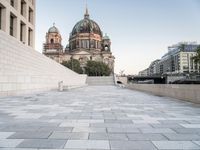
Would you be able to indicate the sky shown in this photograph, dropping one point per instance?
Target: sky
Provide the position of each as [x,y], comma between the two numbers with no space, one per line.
[140,30]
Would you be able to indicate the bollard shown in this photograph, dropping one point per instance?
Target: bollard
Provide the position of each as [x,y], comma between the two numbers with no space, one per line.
[60,86]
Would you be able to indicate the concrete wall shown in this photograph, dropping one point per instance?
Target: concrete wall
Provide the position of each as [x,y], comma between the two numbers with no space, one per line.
[174,78]
[180,91]
[24,70]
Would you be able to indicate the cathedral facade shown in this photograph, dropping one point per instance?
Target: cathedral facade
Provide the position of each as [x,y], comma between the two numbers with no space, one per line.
[86,42]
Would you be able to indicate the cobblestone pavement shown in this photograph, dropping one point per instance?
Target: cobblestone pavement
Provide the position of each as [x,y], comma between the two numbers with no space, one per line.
[98,118]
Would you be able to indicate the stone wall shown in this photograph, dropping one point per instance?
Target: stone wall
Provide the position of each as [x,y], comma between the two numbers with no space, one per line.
[179,91]
[24,70]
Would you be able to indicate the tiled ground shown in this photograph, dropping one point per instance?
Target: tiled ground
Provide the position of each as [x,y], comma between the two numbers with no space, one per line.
[98,118]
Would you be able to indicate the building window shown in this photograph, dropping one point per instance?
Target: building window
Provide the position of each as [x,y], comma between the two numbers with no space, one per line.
[52,41]
[83,44]
[30,15]
[95,44]
[23,8]
[12,25]
[22,32]
[30,37]
[0,18]
[92,43]
[12,3]
[80,44]
[99,45]
[87,44]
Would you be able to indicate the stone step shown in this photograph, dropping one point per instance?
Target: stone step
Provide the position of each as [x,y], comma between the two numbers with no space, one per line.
[100,80]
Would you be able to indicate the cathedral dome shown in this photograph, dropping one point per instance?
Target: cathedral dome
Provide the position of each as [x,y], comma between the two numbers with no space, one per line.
[86,26]
[53,29]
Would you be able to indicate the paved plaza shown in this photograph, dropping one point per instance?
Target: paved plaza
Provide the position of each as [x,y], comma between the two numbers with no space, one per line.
[98,118]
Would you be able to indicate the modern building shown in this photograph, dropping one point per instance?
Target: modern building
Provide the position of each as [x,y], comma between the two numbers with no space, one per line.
[179,60]
[144,72]
[153,68]
[17,18]
[86,42]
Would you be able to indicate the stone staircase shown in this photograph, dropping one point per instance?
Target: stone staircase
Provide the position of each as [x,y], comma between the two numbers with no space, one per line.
[100,80]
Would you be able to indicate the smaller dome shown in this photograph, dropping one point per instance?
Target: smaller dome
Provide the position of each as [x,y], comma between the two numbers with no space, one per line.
[53,29]
[106,37]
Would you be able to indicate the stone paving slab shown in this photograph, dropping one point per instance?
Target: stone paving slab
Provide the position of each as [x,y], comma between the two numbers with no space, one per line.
[182,137]
[177,145]
[158,130]
[191,125]
[30,135]
[146,137]
[4,135]
[67,135]
[132,145]
[18,149]
[10,143]
[88,144]
[107,136]
[42,143]
[123,130]
[88,129]
[98,118]
[197,142]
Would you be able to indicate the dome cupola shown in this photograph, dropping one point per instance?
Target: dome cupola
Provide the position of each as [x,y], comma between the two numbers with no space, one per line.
[106,37]
[86,25]
[53,29]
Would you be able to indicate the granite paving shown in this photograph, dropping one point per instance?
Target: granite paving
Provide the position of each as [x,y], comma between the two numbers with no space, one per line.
[98,118]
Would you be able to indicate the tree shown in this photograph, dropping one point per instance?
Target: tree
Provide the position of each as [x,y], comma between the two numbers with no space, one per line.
[74,65]
[94,68]
[197,58]
[182,47]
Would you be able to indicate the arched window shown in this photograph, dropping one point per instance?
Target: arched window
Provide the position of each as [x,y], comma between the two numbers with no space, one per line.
[80,45]
[52,41]
[84,43]
[96,44]
[87,44]
[106,48]
[92,43]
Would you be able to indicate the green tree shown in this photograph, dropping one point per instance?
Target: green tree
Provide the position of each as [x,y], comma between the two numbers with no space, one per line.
[182,47]
[197,58]
[94,68]
[74,65]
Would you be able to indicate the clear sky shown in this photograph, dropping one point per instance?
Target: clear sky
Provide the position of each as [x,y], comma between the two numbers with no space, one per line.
[140,30]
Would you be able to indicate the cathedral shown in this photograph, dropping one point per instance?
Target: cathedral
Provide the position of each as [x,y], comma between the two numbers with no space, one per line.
[86,42]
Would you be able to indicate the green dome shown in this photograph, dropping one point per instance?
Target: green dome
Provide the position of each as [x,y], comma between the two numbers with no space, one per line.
[106,37]
[53,30]
[86,26]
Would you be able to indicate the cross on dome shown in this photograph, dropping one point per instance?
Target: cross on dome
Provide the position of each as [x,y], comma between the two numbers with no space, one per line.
[86,12]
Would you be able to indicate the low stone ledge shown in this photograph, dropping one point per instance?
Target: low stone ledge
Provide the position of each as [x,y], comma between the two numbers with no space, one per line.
[69,87]
[190,93]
